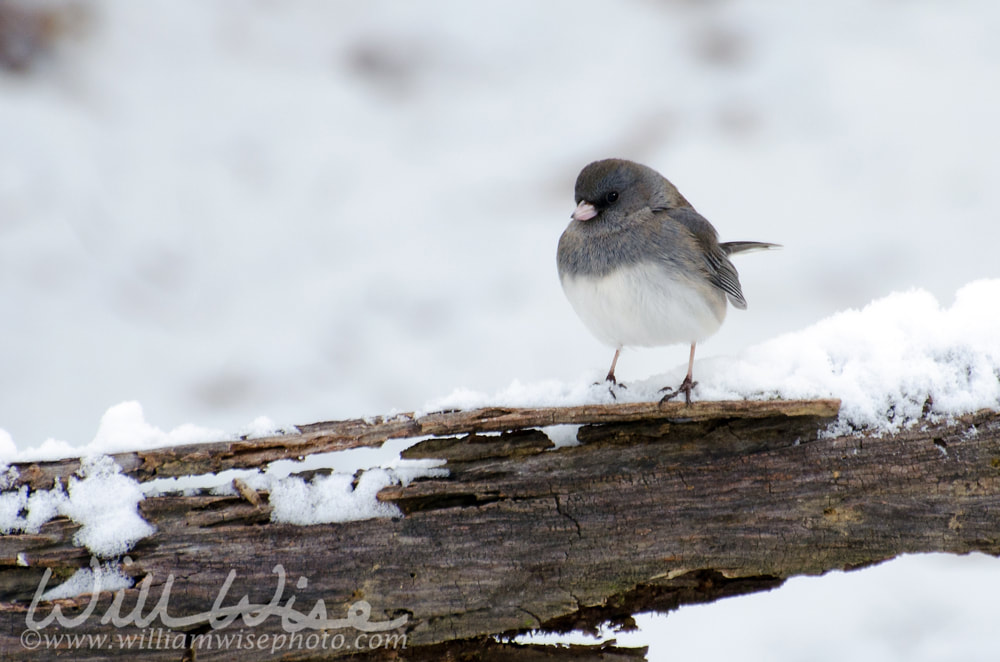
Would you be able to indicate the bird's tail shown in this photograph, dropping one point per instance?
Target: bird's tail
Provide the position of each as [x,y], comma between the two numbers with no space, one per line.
[733,247]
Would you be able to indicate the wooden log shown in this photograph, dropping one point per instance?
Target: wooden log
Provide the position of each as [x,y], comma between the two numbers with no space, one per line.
[655,508]
[213,457]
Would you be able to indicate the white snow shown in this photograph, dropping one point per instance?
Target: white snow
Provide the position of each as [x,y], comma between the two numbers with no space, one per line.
[331,498]
[11,504]
[883,361]
[327,497]
[123,427]
[886,362]
[105,503]
[918,608]
[547,393]
[262,426]
[102,501]
[562,435]
[107,576]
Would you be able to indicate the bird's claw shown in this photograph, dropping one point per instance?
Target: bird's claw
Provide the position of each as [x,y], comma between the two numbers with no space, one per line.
[686,387]
[612,385]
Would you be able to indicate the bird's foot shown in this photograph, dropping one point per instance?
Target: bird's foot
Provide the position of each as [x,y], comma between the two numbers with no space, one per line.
[612,385]
[686,386]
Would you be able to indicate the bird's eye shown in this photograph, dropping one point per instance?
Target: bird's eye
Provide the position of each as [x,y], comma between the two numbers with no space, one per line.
[611,197]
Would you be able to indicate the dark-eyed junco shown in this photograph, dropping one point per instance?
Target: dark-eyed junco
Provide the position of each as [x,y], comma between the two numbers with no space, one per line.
[641,267]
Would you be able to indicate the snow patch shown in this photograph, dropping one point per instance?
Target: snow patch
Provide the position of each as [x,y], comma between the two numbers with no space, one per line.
[332,498]
[102,501]
[562,435]
[262,426]
[548,393]
[890,363]
[407,471]
[105,503]
[123,428]
[98,577]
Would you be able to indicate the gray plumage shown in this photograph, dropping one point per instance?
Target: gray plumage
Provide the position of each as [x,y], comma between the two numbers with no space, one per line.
[640,265]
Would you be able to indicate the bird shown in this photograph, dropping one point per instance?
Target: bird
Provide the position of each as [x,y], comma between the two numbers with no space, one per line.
[642,268]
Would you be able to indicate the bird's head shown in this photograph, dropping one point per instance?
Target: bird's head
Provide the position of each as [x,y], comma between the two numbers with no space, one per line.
[613,189]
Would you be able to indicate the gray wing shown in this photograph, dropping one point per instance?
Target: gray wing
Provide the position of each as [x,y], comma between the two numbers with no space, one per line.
[718,268]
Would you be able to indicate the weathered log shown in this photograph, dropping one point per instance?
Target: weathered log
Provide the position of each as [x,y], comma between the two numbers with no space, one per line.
[657,507]
[213,457]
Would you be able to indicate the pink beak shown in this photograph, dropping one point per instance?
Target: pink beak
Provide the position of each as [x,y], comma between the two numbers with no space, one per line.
[584,211]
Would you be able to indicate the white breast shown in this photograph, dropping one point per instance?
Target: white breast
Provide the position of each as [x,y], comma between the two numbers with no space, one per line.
[646,305]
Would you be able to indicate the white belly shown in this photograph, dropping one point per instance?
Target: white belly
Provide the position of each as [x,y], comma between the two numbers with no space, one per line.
[643,305]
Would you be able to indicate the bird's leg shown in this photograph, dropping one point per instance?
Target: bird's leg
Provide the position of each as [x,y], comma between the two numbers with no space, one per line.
[686,386]
[611,375]
[611,371]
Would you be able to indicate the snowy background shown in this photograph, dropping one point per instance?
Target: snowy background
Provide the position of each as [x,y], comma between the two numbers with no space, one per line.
[320,210]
